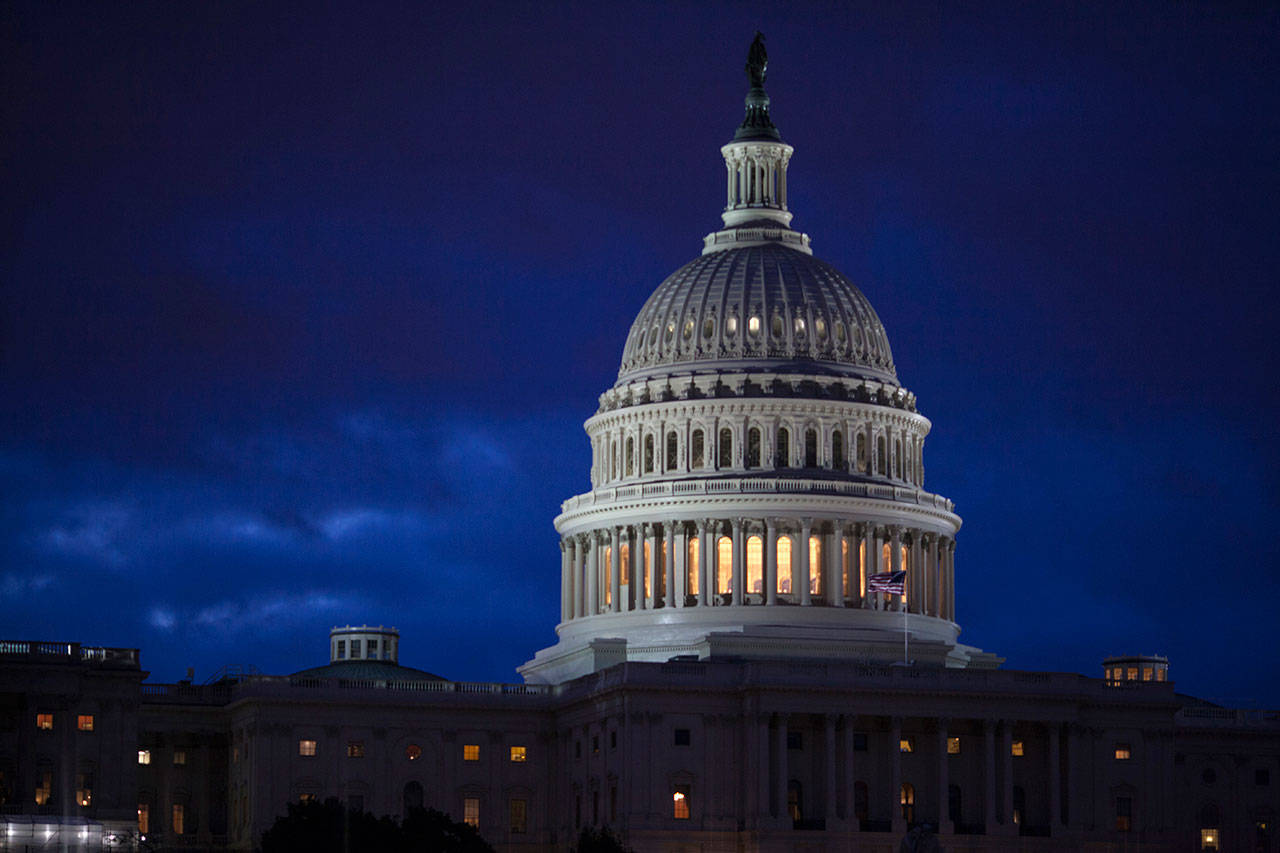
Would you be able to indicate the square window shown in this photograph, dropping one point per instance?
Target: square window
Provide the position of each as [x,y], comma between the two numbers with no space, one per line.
[307,748]
[471,810]
[907,744]
[471,752]
[84,722]
[144,756]
[1016,749]
[680,802]
[795,740]
[953,746]
[179,757]
[682,737]
[1122,752]
[519,816]
[44,722]
[355,749]
[1262,776]
[859,741]
[519,754]
[1209,839]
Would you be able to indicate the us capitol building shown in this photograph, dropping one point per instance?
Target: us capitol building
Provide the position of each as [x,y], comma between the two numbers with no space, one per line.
[757,647]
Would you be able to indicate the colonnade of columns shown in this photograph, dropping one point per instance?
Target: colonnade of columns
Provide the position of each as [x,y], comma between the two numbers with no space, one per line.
[757,176]
[744,561]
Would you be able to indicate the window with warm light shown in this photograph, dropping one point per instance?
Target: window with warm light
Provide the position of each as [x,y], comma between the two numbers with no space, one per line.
[1016,749]
[413,752]
[907,744]
[307,748]
[84,789]
[519,754]
[471,752]
[815,565]
[471,810]
[519,816]
[179,758]
[724,565]
[144,756]
[691,563]
[44,788]
[784,564]
[1122,752]
[44,722]
[1208,839]
[755,565]
[144,818]
[179,823]
[680,802]
[1124,814]
[84,722]
[953,746]
[355,749]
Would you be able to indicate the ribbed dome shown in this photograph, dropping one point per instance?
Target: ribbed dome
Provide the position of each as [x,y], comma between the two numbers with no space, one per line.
[757,308]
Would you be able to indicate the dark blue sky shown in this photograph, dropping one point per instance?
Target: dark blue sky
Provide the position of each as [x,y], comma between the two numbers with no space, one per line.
[303,308]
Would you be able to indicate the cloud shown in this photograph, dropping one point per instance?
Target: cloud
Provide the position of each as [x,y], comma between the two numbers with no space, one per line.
[14,585]
[267,612]
[92,531]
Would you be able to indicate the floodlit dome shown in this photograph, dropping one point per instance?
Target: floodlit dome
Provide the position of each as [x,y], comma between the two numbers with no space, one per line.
[761,307]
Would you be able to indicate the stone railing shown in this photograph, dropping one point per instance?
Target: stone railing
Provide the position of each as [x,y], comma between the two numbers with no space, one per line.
[1222,717]
[220,694]
[67,652]
[756,486]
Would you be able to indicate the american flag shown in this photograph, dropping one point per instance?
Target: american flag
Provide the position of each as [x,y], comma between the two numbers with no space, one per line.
[891,582]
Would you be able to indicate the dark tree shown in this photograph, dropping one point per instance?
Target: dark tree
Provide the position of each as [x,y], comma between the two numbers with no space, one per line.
[428,829]
[329,828]
[599,841]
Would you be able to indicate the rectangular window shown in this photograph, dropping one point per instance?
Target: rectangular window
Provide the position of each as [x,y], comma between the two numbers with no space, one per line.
[373,649]
[355,749]
[1016,749]
[953,746]
[595,744]
[859,741]
[342,650]
[519,816]
[144,756]
[84,789]
[680,802]
[1124,814]
[471,752]
[519,754]
[179,758]
[84,722]
[683,737]
[907,744]
[1209,839]
[1122,752]
[613,739]
[307,748]
[44,722]
[44,790]
[355,649]
[144,818]
[795,740]
[471,810]
[306,798]
[179,825]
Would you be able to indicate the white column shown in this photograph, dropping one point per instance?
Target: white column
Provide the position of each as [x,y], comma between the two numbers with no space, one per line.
[648,561]
[584,568]
[806,524]
[615,571]
[682,563]
[771,561]
[593,573]
[739,562]
[669,566]
[873,563]
[704,561]
[832,561]
[915,591]
[564,581]
[951,580]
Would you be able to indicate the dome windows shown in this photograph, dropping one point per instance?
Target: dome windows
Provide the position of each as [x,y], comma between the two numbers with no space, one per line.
[820,329]
[841,336]
[776,329]
[799,324]
[687,331]
[753,326]
[671,331]
[730,326]
[708,328]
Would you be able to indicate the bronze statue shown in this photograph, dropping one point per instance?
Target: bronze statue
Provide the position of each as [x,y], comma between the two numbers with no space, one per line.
[757,61]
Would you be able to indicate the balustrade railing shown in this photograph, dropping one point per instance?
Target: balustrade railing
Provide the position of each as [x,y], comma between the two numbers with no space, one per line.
[756,485]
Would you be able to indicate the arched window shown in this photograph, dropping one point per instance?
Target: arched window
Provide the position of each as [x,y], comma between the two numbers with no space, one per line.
[692,566]
[755,565]
[955,804]
[795,800]
[631,456]
[882,464]
[724,565]
[726,448]
[673,446]
[696,456]
[782,458]
[815,565]
[897,458]
[837,450]
[613,460]
[412,797]
[753,447]
[648,454]
[907,798]
[861,801]
[861,446]
[1019,805]
[624,564]
[811,448]
[784,564]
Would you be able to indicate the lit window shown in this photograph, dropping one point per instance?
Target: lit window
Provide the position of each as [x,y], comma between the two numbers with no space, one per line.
[1146,673]
[519,816]
[179,758]
[84,789]
[84,722]
[471,810]
[1122,752]
[953,746]
[519,754]
[471,752]
[1016,749]
[44,722]
[44,790]
[307,748]
[1124,814]
[144,818]
[413,752]
[355,749]
[1208,839]
[907,744]
[179,825]
[144,756]
[1131,674]
[680,802]
[306,798]
[595,744]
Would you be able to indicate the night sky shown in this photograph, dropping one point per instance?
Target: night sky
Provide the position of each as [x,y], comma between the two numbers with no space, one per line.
[303,309]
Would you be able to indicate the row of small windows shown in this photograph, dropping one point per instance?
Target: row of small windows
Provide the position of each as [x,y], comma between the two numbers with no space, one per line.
[179,757]
[369,651]
[900,465]
[84,722]
[309,748]
[777,327]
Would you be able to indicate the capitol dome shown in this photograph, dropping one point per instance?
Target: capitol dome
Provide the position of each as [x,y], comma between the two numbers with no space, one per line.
[757,469]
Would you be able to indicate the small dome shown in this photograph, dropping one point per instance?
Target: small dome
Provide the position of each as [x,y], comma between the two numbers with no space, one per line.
[757,308]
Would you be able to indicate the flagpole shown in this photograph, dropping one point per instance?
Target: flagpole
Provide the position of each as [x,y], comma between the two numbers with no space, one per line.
[904,626]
